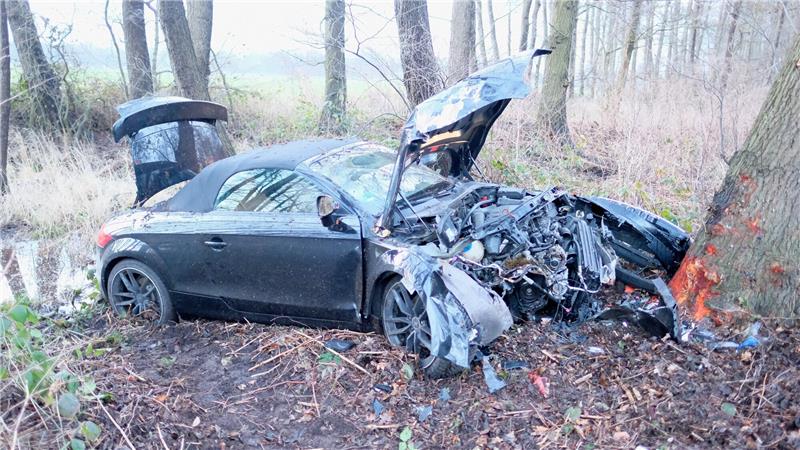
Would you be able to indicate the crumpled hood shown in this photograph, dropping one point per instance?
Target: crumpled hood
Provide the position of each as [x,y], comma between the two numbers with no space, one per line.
[459,119]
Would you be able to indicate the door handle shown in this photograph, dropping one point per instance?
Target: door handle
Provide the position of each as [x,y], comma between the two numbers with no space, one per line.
[216,243]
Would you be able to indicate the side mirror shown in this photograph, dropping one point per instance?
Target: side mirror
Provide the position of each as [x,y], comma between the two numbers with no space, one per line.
[330,216]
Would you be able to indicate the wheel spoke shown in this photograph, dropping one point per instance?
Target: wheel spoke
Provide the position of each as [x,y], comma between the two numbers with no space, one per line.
[125,294]
[398,331]
[124,276]
[149,289]
[403,320]
[125,303]
[424,340]
[401,303]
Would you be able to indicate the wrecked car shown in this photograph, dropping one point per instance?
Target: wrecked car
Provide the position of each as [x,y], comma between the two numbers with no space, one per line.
[347,233]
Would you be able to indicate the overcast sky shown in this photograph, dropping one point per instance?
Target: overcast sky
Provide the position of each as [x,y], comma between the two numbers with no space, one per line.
[244,28]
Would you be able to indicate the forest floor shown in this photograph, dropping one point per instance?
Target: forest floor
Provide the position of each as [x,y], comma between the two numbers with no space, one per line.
[205,384]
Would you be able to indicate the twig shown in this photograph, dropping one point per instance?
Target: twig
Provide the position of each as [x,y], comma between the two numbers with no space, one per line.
[267,361]
[160,436]
[344,358]
[116,425]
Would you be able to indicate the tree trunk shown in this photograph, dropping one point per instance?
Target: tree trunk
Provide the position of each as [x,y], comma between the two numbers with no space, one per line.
[552,112]
[116,50]
[200,15]
[492,31]
[333,111]
[181,51]
[630,44]
[136,53]
[525,13]
[777,44]
[696,14]
[545,43]
[462,41]
[661,35]
[729,46]
[479,35]
[747,254]
[582,64]
[44,84]
[5,97]
[421,74]
[156,43]
[648,45]
[534,19]
[672,50]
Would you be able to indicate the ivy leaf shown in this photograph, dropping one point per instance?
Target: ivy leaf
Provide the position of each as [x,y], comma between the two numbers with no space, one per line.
[68,405]
[728,408]
[405,435]
[407,371]
[77,444]
[19,313]
[90,430]
[572,413]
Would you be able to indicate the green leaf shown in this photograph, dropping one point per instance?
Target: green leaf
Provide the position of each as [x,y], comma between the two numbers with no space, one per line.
[328,357]
[19,313]
[407,371]
[402,446]
[77,444]
[3,373]
[572,414]
[5,324]
[68,405]
[728,408]
[405,435]
[567,428]
[90,430]
[88,386]
[36,334]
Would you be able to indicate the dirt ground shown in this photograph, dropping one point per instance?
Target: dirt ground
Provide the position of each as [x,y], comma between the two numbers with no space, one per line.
[202,384]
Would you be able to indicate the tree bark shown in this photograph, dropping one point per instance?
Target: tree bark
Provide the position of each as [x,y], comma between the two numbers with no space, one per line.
[524,25]
[5,97]
[492,31]
[696,38]
[748,251]
[200,15]
[534,19]
[181,51]
[44,84]
[648,46]
[729,46]
[421,74]
[136,53]
[116,50]
[334,109]
[661,35]
[545,43]
[552,112]
[462,41]
[479,34]
[630,44]
[584,35]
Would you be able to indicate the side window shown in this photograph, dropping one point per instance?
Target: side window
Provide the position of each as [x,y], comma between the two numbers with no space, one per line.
[268,190]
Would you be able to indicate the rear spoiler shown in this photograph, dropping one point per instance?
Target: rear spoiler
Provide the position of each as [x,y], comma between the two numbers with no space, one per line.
[149,111]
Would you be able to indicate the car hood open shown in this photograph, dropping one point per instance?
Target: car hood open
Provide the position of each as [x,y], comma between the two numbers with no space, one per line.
[459,118]
[171,138]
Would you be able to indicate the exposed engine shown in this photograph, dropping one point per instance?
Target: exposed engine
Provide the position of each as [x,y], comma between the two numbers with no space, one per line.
[535,250]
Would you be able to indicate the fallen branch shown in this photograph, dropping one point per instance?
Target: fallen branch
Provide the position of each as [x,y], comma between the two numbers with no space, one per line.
[344,358]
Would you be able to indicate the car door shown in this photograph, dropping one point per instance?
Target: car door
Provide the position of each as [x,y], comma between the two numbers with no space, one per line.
[268,254]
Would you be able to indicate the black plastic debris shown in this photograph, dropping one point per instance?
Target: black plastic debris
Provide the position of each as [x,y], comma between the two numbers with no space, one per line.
[514,364]
[339,345]
[382,387]
[377,407]
[423,412]
[657,320]
[493,382]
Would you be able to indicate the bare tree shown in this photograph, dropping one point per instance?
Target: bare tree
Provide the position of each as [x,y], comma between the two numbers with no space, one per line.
[5,97]
[534,18]
[44,84]
[421,74]
[630,44]
[181,51]
[333,111]
[116,50]
[492,31]
[462,41]
[136,54]
[552,112]
[746,254]
[524,25]
[200,15]
[480,44]
[729,46]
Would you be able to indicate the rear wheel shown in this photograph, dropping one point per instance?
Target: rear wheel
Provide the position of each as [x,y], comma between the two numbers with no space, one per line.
[404,319]
[135,290]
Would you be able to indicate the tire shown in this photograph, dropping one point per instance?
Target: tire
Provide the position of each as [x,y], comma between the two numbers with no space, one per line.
[134,289]
[401,325]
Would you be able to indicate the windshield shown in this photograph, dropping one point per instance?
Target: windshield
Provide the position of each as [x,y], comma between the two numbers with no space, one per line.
[365,171]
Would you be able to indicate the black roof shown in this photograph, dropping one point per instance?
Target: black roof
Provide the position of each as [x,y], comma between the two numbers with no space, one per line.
[199,194]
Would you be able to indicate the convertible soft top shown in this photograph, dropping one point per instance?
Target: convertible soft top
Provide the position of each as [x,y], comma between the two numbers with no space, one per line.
[199,194]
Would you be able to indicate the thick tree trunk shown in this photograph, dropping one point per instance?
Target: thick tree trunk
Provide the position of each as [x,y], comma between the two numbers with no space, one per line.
[44,84]
[421,74]
[480,37]
[630,44]
[5,97]
[462,41]
[492,31]
[333,111]
[181,50]
[552,112]
[200,15]
[136,53]
[524,25]
[748,252]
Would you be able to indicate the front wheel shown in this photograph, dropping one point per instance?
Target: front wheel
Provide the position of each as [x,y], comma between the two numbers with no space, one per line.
[404,320]
[136,290]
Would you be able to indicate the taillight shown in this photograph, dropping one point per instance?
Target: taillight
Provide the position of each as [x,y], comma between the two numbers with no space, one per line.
[103,238]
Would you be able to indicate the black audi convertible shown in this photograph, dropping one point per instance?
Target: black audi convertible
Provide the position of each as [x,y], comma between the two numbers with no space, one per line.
[410,242]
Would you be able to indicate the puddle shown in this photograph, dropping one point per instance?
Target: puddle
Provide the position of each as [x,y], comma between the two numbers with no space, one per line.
[44,271]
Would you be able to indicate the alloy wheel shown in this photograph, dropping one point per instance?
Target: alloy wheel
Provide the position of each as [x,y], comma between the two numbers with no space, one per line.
[134,293]
[405,323]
